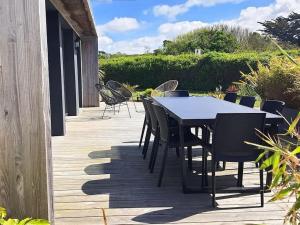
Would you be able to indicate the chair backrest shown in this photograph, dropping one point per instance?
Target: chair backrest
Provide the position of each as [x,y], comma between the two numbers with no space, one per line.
[248,101]
[231,131]
[230,97]
[177,93]
[120,88]
[153,119]
[273,106]
[107,96]
[148,120]
[170,85]
[163,122]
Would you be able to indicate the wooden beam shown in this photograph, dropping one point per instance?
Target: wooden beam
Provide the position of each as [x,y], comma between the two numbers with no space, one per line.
[56,73]
[78,15]
[89,55]
[71,73]
[25,144]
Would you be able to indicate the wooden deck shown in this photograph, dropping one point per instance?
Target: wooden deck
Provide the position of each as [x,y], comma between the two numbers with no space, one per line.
[101,178]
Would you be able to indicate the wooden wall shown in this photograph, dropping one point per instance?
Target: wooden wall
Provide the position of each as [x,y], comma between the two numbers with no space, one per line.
[89,55]
[25,145]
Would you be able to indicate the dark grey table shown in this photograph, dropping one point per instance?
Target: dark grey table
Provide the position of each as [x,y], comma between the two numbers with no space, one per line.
[199,111]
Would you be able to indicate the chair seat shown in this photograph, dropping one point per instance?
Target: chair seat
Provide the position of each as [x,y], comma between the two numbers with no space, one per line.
[189,140]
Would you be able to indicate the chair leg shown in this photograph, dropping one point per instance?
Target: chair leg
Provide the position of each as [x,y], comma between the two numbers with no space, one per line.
[163,165]
[213,183]
[197,131]
[177,152]
[128,109]
[240,174]
[119,108]
[134,105]
[114,108]
[224,165]
[203,167]
[261,176]
[154,153]
[190,158]
[146,142]
[104,111]
[143,131]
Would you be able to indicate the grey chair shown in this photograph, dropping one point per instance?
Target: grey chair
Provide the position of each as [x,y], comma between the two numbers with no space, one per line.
[111,98]
[170,85]
[121,89]
[230,146]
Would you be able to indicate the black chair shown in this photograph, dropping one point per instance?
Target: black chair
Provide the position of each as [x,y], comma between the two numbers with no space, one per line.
[170,139]
[147,121]
[229,146]
[110,98]
[177,93]
[152,128]
[121,89]
[230,97]
[248,101]
[273,106]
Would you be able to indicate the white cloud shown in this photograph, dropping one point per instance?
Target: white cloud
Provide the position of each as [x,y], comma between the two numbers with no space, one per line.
[135,46]
[171,30]
[171,11]
[250,16]
[121,24]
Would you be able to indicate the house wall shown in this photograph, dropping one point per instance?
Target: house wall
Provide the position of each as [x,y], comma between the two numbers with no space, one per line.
[25,112]
[25,147]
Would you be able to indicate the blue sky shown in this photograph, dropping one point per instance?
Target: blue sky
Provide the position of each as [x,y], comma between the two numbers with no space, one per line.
[138,26]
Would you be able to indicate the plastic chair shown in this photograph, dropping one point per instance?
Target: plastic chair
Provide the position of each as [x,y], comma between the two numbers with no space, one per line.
[151,129]
[147,121]
[230,97]
[170,139]
[273,106]
[248,101]
[230,146]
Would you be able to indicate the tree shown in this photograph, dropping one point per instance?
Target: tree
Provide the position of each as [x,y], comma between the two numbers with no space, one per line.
[284,29]
[206,39]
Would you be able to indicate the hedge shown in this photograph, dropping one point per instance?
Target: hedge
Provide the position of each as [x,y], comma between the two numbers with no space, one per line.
[197,73]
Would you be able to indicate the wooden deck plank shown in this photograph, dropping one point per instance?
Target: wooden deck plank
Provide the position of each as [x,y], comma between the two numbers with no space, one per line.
[99,174]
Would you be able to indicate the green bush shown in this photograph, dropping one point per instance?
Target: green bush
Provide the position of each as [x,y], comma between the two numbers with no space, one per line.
[206,39]
[195,73]
[279,79]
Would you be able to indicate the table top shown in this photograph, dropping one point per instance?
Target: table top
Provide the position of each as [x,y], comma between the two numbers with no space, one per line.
[203,110]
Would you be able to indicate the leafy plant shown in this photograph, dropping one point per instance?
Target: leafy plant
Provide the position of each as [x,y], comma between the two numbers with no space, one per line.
[27,221]
[285,162]
[131,88]
[279,79]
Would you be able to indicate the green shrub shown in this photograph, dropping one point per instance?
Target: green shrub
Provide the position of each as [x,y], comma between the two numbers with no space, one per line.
[195,73]
[28,221]
[279,79]
[198,73]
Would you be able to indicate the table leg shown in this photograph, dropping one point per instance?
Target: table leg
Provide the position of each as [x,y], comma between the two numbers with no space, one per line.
[182,158]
